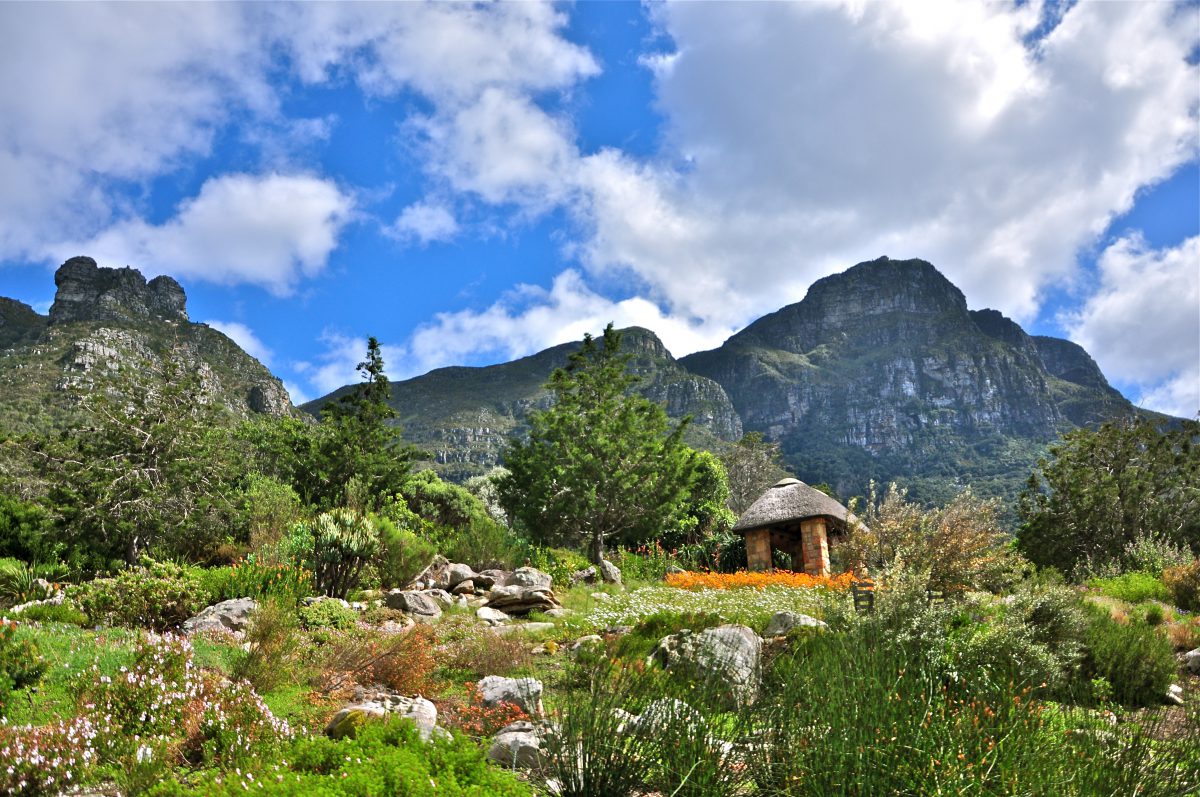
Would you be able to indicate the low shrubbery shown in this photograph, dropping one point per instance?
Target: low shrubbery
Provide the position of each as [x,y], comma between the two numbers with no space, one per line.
[272,649]
[247,578]
[328,614]
[1135,658]
[21,665]
[156,595]
[403,662]
[1132,587]
[54,613]
[1183,584]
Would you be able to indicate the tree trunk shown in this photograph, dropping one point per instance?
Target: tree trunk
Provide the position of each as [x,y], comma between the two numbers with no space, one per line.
[596,549]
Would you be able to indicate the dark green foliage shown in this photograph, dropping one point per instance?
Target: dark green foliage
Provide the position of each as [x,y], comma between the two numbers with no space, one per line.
[601,464]
[155,595]
[26,531]
[386,758]
[328,614]
[21,664]
[442,503]
[705,515]
[1101,490]
[402,554]
[1136,659]
[1132,587]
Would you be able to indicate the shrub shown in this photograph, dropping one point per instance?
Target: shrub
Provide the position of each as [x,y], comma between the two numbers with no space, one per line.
[21,664]
[646,563]
[483,544]
[403,662]
[343,543]
[21,582]
[1132,587]
[54,613]
[475,719]
[1183,584]
[483,653]
[328,614]
[1154,553]
[271,657]
[1136,659]
[249,578]
[645,636]
[48,759]
[402,554]
[559,563]
[156,595]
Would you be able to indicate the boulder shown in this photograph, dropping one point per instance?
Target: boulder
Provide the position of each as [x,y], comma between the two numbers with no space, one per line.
[418,604]
[441,597]
[523,692]
[728,656]
[464,587]
[609,573]
[379,705]
[529,577]
[517,745]
[230,615]
[1191,661]
[486,579]
[491,616]
[587,575]
[457,573]
[520,599]
[662,715]
[437,574]
[1175,695]
[58,598]
[781,623]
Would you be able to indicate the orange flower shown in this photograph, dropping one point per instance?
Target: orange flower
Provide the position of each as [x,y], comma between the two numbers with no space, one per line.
[742,578]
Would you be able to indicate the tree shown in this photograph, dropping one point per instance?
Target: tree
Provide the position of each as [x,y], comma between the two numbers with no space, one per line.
[602,463]
[752,464]
[1101,490]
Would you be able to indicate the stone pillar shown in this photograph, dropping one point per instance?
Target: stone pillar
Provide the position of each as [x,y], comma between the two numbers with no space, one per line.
[815,543]
[758,549]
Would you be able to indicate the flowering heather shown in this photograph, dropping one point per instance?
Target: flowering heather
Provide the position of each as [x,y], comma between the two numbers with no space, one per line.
[46,759]
[742,578]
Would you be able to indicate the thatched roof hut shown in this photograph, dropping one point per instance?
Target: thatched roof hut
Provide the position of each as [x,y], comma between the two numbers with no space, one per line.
[791,501]
[794,519]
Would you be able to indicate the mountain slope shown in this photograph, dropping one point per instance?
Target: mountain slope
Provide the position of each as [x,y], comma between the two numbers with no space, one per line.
[106,324]
[462,416]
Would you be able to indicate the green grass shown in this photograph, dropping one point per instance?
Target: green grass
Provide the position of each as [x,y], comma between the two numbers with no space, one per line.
[1132,587]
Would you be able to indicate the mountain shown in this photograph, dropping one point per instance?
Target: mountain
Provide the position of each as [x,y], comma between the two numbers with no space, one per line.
[106,323]
[880,372]
[463,416]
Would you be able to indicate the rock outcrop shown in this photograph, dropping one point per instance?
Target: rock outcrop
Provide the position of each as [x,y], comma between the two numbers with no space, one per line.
[231,615]
[87,292]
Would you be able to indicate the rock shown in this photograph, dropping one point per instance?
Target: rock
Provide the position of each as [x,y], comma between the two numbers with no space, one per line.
[728,655]
[587,641]
[587,575]
[519,599]
[418,604]
[464,587]
[441,597]
[377,706]
[1175,694]
[609,573]
[87,292]
[487,579]
[523,692]
[600,596]
[557,613]
[674,570]
[230,615]
[783,622]
[1191,661]
[491,616]
[436,574]
[525,628]
[56,599]
[458,573]
[518,744]
[529,577]
[666,714]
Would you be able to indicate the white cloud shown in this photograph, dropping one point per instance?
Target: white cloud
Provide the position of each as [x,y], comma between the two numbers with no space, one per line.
[425,222]
[244,336]
[1143,322]
[335,365]
[267,230]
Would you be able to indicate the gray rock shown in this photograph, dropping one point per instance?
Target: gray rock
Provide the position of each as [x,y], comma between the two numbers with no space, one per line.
[587,575]
[517,745]
[464,587]
[666,714]
[523,628]
[783,622]
[457,573]
[524,692]
[491,616]
[517,599]
[1175,694]
[418,604]
[441,597]
[529,577]
[56,599]
[587,641]
[423,714]
[1191,661]
[557,613]
[610,573]
[486,579]
[87,292]
[230,615]
[728,656]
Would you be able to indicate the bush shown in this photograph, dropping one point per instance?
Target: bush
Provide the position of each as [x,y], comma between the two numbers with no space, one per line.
[1132,587]
[402,662]
[1183,585]
[54,613]
[1136,659]
[271,657]
[20,582]
[343,543]
[328,614]
[21,665]
[483,544]
[559,563]
[156,595]
[402,554]
[483,653]
[248,578]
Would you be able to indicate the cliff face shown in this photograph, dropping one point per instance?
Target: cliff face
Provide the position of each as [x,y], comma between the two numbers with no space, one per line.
[464,416]
[107,324]
[881,372]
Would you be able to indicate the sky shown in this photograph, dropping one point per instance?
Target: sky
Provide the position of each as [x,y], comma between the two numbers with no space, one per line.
[471,183]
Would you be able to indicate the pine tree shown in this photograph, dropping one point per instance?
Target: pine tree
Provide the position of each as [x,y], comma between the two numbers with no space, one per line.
[602,463]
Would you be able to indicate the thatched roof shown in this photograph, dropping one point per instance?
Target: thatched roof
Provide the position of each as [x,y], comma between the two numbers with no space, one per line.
[790,501]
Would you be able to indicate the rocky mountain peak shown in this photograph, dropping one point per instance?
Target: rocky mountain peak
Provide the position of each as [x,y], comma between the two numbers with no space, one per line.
[87,292]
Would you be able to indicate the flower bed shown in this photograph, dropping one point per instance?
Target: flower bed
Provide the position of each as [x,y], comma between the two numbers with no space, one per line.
[742,578]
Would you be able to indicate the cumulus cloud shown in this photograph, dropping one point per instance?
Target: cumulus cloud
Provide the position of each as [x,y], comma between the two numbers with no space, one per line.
[267,230]
[1143,322]
[244,336]
[424,222]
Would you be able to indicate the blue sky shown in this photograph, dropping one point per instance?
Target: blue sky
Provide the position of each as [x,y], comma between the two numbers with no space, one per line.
[474,182]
